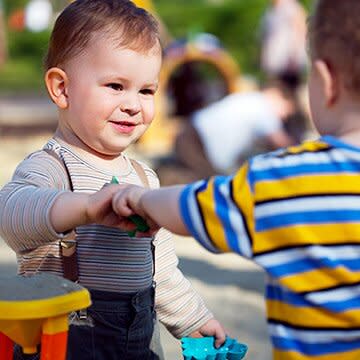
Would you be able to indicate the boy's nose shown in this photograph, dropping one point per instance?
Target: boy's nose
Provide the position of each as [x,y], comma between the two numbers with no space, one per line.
[130,104]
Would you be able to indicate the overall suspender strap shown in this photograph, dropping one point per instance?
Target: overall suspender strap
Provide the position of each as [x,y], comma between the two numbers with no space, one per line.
[144,179]
[140,172]
[68,245]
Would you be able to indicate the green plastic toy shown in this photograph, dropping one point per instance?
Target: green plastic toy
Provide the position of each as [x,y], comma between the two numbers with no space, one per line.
[140,223]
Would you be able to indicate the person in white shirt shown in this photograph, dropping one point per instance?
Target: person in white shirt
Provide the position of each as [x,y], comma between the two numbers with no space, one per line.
[221,136]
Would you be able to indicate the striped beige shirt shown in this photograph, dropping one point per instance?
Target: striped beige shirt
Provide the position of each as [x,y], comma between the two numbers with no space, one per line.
[108,259]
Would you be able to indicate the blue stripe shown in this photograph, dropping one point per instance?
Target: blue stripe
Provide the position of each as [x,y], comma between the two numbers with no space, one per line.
[250,175]
[340,306]
[184,208]
[307,217]
[278,294]
[223,213]
[300,266]
[185,211]
[315,349]
[338,143]
[278,173]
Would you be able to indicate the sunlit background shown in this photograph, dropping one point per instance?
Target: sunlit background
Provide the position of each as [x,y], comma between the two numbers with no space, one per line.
[212,48]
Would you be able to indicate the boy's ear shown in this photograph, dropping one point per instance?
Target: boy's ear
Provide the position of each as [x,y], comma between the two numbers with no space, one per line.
[329,82]
[56,82]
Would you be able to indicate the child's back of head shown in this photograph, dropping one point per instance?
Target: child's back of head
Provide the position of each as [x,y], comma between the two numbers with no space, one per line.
[334,37]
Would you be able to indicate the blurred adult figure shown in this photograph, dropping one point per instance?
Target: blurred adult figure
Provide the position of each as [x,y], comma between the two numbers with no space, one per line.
[283,40]
[222,135]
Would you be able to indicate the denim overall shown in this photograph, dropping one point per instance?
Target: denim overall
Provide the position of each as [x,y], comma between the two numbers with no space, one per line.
[116,326]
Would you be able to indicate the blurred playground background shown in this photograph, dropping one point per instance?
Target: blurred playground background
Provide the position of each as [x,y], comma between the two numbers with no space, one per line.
[212,49]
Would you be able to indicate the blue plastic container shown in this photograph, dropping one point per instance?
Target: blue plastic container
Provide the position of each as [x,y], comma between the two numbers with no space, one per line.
[204,349]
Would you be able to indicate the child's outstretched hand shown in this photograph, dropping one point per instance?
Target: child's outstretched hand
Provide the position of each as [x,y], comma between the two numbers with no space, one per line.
[127,202]
[211,328]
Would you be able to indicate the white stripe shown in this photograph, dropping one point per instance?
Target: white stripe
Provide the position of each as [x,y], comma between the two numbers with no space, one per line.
[265,163]
[336,155]
[336,295]
[307,204]
[346,155]
[313,336]
[316,252]
[236,221]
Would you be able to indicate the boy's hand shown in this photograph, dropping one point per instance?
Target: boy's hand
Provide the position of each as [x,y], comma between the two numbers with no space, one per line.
[127,202]
[211,328]
[74,209]
[99,207]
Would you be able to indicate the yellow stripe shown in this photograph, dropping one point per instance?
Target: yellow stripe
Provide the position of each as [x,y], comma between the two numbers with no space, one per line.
[271,240]
[320,279]
[291,355]
[212,223]
[309,317]
[304,185]
[307,146]
[243,197]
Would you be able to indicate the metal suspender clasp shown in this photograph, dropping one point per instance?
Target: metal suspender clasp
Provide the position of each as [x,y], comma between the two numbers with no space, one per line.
[67,244]
[83,314]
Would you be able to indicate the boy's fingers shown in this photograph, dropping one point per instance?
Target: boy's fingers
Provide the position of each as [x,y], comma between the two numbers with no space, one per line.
[126,225]
[120,205]
[219,341]
[153,226]
[146,234]
[196,334]
[220,337]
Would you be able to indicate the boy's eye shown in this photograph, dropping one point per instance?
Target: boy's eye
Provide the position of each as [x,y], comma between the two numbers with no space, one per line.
[115,86]
[147,92]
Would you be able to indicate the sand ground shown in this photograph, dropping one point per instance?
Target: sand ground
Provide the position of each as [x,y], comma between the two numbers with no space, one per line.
[232,287]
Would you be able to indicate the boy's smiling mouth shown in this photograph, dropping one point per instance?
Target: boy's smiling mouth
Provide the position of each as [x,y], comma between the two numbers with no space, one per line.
[124,127]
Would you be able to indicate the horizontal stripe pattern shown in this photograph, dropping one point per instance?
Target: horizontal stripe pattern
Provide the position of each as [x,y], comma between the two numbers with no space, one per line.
[296,212]
[108,259]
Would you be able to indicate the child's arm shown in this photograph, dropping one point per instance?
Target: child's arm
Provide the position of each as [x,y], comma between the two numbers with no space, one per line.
[27,204]
[178,305]
[218,212]
[70,210]
[159,207]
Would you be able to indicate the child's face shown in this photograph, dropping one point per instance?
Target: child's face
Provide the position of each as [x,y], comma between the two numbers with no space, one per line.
[110,95]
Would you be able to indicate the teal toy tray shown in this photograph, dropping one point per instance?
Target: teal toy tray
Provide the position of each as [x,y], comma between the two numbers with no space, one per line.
[204,349]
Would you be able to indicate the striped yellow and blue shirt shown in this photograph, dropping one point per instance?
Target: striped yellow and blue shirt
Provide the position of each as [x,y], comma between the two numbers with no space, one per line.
[296,213]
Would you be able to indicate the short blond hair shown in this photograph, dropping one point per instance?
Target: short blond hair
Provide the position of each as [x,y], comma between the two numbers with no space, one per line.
[334,37]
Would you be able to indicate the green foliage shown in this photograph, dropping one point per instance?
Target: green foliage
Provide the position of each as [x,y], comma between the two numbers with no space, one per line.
[21,76]
[12,5]
[234,22]
[28,45]
[24,70]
